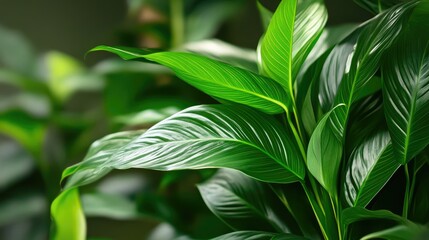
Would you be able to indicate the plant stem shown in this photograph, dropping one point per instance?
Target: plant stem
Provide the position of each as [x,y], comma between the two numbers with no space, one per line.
[336,209]
[315,211]
[407,192]
[177,23]
[297,136]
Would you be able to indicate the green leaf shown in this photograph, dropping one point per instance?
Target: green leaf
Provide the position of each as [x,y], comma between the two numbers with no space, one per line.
[377,36]
[215,78]
[225,52]
[377,6]
[405,84]
[325,149]
[356,214]
[68,216]
[292,32]
[255,235]
[208,136]
[400,232]
[333,71]
[370,167]
[243,203]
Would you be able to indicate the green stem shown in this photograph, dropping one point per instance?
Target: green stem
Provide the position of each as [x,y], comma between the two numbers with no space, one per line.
[297,136]
[407,192]
[177,23]
[313,207]
[336,209]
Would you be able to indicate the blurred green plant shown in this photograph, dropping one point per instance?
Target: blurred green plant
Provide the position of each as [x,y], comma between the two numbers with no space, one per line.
[52,107]
[310,145]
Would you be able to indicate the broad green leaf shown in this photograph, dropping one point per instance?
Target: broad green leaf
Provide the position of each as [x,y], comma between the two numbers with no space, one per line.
[405,84]
[255,235]
[325,149]
[208,136]
[375,37]
[241,202]
[401,232]
[68,217]
[356,214]
[225,52]
[333,70]
[369,168]
[215,78]
[293,30]
[419,210]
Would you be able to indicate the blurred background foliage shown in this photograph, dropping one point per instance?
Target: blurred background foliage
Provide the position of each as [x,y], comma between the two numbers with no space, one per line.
[54,103]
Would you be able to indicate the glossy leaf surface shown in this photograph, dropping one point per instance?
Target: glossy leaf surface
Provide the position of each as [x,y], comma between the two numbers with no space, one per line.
[325,149]
[242,202]
[293,30]
[215,78]
[369,168]
[208,136]
[67,214]
[405,90]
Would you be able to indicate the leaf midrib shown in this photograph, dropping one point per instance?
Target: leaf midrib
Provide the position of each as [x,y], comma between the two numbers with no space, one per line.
[228,140]
[413,105]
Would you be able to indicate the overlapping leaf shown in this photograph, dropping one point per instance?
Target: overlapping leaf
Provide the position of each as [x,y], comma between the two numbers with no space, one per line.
[256,235]
[369,168]
[67,214]
[215,78]
[377,36]
[208,136]
[325,149]
[242,202]
[293,30]
[405,90]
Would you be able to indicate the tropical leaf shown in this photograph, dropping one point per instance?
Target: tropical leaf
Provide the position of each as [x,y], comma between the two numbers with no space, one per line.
[255,235]
[293,30]
[377,36]
[225,52]
[208,136]
[68,217]
[369,168]
[377,6]
[243,203]
[356,214]
[405,84]
[401,232]
[215,78]
[334,69]
[265,14]
[325,149]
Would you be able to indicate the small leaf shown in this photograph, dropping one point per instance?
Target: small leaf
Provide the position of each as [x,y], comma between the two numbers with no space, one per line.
[325,149]
[215,78]
[242,202]
[405,84]
[208,136]
[369,168]
[68,216]
[265,14]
